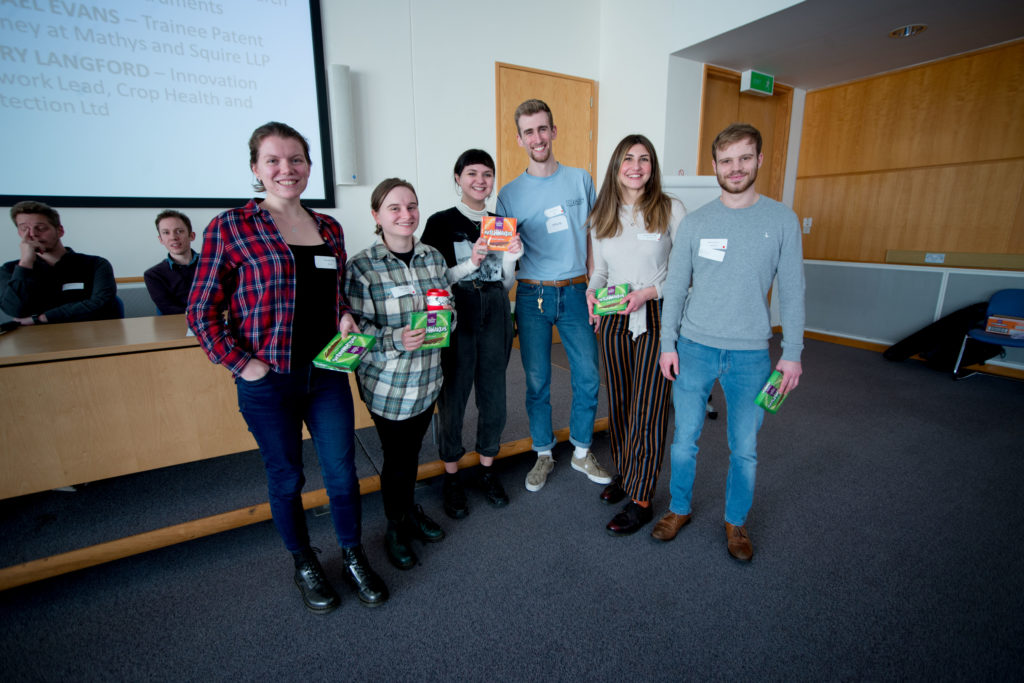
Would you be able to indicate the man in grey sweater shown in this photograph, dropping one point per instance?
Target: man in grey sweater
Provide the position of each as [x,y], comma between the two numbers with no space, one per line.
[729,251]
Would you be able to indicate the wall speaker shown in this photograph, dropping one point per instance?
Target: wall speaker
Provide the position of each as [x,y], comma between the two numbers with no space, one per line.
[343,130]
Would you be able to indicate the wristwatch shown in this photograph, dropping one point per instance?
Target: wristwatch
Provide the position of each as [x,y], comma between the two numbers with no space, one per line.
[35,319]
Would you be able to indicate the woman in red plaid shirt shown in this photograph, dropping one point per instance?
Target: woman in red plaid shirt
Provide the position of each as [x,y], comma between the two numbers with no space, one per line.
[277,270]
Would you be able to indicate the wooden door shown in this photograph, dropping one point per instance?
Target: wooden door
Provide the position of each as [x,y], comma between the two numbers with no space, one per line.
[723,104]
[573,103]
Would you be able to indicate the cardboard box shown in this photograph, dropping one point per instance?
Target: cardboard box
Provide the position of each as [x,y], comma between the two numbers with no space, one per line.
[610,299]
[343,355]
[1006,324]
[770,398]
[438,325]
[498,231]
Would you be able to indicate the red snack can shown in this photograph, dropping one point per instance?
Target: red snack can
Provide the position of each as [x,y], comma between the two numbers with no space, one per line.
[438,299]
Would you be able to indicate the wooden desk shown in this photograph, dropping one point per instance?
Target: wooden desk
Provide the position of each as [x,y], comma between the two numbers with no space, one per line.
[87,401]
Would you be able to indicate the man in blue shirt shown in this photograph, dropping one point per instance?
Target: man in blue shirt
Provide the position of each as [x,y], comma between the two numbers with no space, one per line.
[551,203]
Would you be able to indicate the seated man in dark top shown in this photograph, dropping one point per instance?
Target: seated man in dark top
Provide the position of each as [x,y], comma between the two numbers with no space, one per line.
[168,282]
[51,283]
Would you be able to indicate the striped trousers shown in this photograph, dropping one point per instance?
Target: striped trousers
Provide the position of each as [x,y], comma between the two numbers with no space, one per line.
[638,400]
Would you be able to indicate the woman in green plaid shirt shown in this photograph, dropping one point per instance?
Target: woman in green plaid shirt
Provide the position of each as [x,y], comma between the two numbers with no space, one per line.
[398,380]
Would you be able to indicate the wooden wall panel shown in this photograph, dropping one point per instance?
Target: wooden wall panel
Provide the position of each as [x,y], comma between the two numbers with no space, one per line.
[963,109]
[930,158]
[964,208]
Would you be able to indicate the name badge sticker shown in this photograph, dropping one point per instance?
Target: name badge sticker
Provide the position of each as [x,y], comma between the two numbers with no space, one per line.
[325,262]
[713,249]
[68,286]
[554,211]
[558,223]
[649,236]
[402,290]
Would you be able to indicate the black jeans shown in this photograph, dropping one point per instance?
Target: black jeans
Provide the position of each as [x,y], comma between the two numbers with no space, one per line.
[477,357]
[400,441]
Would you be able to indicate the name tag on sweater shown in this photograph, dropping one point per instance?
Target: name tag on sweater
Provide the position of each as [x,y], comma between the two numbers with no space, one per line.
[402,290]
[67,286]
[648,236]
[713,249]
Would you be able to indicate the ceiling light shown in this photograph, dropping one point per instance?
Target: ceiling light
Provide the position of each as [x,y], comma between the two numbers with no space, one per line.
[908,30]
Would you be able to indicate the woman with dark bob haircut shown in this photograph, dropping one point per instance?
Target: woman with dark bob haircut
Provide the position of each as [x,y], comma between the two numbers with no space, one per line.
[481,345]
[268,296]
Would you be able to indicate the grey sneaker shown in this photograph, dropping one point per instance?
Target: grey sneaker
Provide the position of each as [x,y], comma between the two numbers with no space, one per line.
[588,466]
[538,476]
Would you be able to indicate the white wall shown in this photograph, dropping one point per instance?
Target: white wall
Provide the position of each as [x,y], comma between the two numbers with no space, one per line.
[633,80]
[682,116]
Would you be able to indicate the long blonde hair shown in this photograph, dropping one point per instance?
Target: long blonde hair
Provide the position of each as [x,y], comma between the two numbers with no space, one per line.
[655,205]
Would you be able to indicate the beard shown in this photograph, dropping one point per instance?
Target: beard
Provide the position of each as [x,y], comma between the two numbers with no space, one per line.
[541,157]
[737,189]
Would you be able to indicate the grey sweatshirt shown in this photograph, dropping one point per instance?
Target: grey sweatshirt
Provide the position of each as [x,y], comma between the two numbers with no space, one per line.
[730,257]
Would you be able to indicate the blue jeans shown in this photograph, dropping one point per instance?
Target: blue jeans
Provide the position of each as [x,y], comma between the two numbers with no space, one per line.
[566,309]
[741,374]
[274,408]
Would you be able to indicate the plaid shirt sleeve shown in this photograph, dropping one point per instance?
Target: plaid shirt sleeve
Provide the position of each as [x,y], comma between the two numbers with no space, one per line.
[215,282]
[396,383]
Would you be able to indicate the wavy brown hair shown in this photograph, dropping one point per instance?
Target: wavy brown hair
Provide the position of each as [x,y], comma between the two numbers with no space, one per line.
[654,205]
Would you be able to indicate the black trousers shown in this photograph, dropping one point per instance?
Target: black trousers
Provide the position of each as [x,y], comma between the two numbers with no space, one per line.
[401,441]
[477,358]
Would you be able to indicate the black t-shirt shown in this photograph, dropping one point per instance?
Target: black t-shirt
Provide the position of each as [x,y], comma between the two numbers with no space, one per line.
[315,321]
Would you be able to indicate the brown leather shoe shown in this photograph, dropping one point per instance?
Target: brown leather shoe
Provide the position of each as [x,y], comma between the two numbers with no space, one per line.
[739,542]
[669,525]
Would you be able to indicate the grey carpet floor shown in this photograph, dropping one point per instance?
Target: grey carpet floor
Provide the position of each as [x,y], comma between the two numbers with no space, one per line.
[883,526]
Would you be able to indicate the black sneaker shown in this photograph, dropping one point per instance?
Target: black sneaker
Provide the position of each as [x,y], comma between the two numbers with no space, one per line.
[455,505]
[492,489]
[418,525]
[317,593]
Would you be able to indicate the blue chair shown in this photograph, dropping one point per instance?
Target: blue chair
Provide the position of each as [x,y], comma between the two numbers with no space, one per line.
[1005,302]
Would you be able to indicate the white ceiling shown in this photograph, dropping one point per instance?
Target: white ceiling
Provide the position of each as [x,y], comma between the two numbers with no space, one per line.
[823,42]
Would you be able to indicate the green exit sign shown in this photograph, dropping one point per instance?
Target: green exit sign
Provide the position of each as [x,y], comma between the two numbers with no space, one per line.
[757,83]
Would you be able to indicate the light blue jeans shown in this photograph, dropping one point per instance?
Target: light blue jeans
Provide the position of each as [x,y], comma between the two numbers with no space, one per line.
[566,309]
[741,374]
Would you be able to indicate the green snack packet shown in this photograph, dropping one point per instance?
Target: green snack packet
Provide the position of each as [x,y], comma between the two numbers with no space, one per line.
[438,325]
[344,354]
[610,299]
[770,398]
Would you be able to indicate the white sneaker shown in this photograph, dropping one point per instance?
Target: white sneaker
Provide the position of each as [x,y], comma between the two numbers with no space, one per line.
[538,476]
[588,466]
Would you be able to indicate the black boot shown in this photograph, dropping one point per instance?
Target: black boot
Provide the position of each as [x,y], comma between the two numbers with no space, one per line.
[418,525]
[396,542]
[493,491]
[358,572]
[317,593]
[455,505]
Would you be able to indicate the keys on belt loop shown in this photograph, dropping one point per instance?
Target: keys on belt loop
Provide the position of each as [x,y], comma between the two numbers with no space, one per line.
[540,304]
